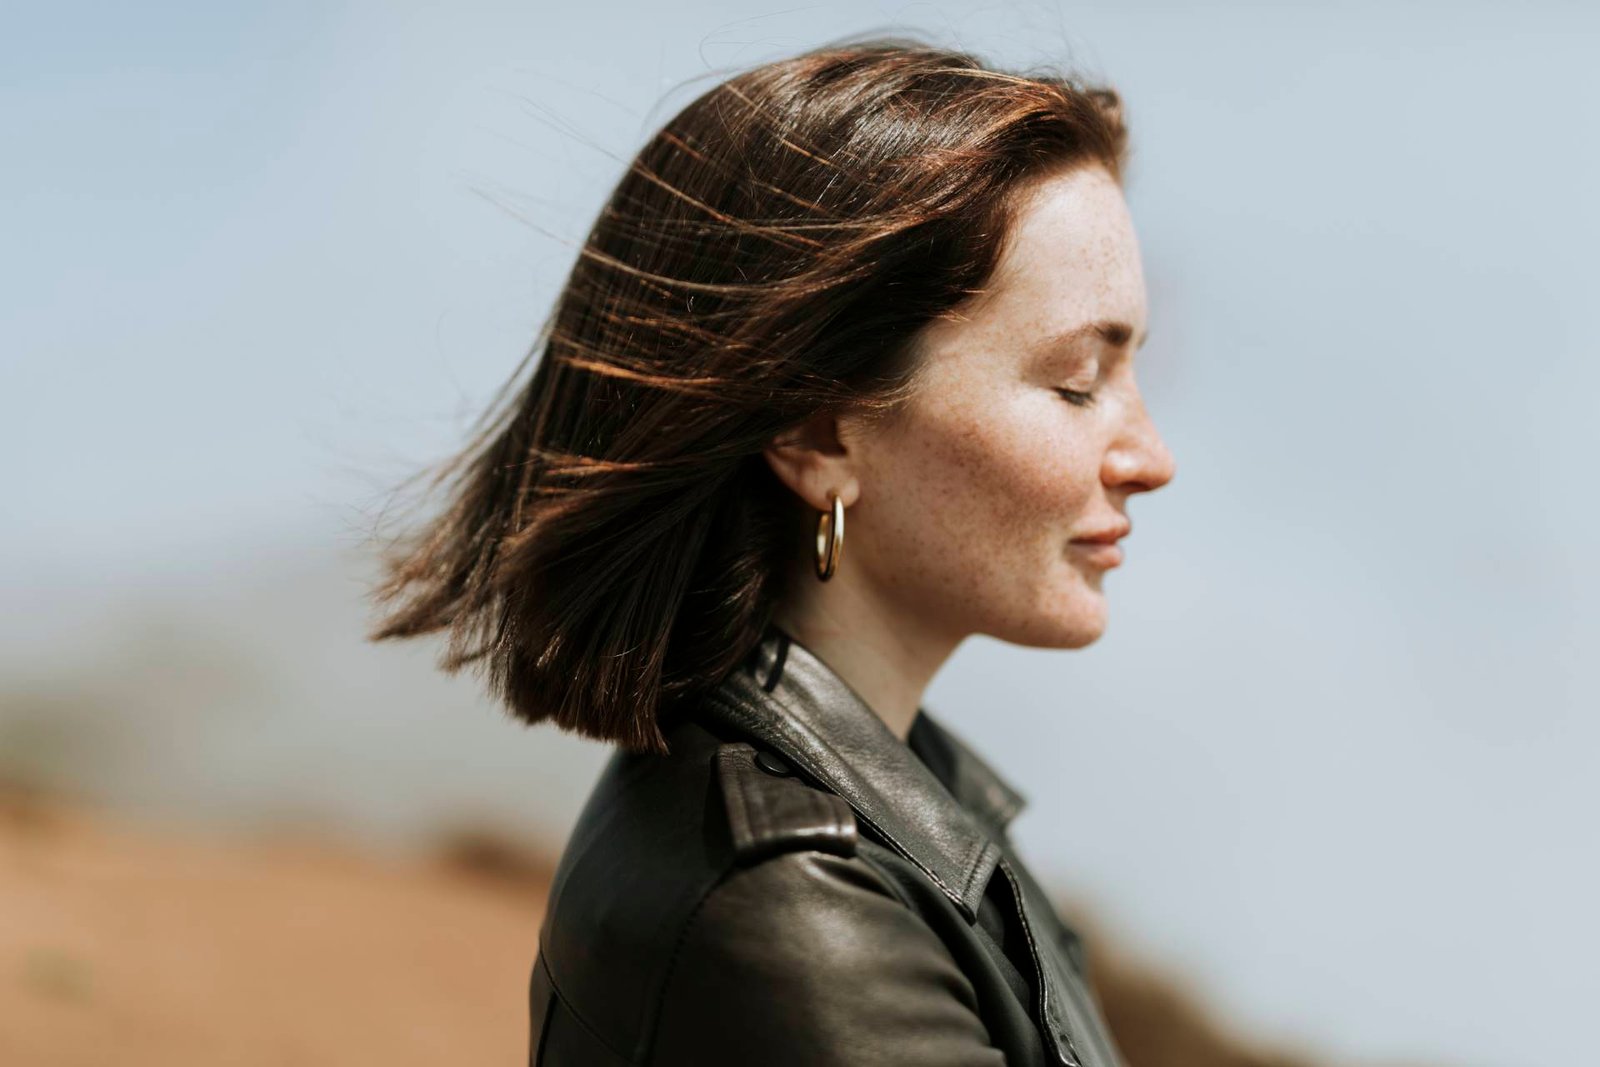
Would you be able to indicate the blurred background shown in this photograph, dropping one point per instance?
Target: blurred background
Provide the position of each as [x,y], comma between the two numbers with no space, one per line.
[1323,793]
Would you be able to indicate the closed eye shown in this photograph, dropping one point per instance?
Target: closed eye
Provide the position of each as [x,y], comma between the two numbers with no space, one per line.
[1078,397]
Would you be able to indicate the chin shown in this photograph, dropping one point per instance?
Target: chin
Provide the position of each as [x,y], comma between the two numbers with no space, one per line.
[1075,625]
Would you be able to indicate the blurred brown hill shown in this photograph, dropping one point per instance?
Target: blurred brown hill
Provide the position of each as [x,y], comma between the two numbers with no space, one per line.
[118,941]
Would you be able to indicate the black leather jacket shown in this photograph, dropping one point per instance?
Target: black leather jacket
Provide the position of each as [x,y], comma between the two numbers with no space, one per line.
[796,885]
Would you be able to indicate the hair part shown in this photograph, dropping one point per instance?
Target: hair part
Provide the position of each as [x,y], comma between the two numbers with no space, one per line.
[612,541]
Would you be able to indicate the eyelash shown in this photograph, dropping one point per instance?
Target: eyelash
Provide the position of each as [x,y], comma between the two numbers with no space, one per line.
[1073,396]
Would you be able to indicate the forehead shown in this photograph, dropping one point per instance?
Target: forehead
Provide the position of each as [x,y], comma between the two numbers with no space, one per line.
[1071,257]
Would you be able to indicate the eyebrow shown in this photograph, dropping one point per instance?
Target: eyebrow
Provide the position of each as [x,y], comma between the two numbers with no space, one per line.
[1113,331]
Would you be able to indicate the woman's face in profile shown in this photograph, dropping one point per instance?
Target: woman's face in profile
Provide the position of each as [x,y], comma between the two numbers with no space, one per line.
[1028,432]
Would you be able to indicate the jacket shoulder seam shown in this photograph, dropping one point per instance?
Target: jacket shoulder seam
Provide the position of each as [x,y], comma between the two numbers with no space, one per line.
[649,1037]
[577,1016]
[889,880]
[891,889]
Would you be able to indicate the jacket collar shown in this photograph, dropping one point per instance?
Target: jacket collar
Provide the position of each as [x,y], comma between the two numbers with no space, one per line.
[785,696]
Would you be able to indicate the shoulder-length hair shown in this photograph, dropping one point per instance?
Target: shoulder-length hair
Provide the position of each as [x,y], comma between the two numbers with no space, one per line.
[613,541]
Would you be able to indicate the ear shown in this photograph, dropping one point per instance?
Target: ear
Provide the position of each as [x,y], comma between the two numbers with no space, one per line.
[814,458]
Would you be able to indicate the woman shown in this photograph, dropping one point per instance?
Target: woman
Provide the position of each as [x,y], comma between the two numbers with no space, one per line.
[877,280]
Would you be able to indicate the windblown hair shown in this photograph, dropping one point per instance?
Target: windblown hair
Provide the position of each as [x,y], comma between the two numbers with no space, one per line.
[614,542]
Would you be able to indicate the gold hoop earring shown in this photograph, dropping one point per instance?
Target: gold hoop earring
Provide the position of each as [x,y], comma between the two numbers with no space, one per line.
[830,538]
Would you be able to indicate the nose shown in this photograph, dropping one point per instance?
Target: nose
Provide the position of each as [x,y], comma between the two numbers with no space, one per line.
[1138,460]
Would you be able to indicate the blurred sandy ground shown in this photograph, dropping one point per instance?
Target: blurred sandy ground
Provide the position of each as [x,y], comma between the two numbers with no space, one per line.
[122,942]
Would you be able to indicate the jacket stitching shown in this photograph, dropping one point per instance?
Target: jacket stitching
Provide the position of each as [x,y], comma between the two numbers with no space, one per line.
[1039,969]
[551,1002]
[893,885]
[754,817]
[648,1041]
[824,814]
[734,796]
[572,1010]
[648,1047]
[1001,801]
[748,717]
[761,819]
[974,867]
[968,860]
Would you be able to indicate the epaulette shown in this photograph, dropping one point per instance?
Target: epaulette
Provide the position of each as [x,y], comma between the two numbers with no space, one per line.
[772,809]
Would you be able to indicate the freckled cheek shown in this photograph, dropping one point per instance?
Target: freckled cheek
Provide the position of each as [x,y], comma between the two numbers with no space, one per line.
[1020,473]
[998,489]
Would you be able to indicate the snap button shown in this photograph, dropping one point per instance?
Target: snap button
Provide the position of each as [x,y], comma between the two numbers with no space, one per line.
[773,763]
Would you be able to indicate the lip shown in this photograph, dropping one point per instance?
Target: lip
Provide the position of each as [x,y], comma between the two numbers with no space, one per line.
[1108,535]
[1104,554]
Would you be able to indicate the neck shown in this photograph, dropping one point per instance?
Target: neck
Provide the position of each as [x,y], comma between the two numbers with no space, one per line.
[886,657]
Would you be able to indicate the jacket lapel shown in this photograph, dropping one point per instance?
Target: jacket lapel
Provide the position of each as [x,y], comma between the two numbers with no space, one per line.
[786,697]
[973,782]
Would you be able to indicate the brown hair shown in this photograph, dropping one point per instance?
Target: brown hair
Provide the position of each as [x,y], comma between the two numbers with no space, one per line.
[614,541]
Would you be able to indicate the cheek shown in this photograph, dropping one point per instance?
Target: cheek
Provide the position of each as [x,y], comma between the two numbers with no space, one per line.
[982,488]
